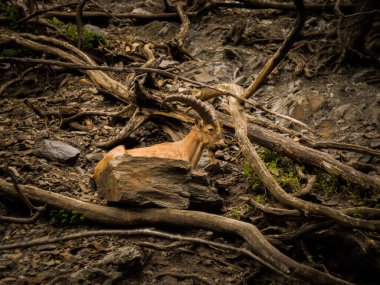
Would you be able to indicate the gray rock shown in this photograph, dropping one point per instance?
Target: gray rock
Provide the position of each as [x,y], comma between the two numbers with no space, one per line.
[168,63]
[95,29]
[204,77]
[57,151]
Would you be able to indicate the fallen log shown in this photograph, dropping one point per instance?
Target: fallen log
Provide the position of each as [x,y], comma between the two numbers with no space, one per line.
[112,216]
[154,181]
[304,154]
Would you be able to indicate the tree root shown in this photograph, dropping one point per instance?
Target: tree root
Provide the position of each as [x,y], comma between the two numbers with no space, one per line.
[272,185]
[280,53]
[13,174]
[134,123]
[181,275]
[176,45]
[35,43]
[112,216]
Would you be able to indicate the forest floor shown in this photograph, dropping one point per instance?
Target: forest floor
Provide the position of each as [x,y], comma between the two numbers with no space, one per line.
[343,107]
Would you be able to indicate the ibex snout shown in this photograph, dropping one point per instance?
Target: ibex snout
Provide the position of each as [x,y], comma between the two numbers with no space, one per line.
[219,145]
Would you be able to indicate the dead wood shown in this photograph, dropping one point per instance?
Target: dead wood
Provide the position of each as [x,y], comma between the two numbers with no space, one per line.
[138,118]
[112,216]
[298,152]
[281,51]
[339,146]
[19,78]
[43,11]
[246,4]
[126,112]
[36,43]
[326,7]
[259,135]
[38,211]
[136,16]
[162,182]
[176,45]
[303,230]
[272,185]
[79,22]
[362,211]
[181,241]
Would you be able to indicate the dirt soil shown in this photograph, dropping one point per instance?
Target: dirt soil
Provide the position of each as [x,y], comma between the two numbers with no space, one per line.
[342,106]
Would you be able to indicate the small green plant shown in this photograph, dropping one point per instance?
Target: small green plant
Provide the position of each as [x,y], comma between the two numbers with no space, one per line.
[66,218]
[57,23]
[91,40]
[332,184]
[357,213]
[11,52]
[238,212]
[310,258]
[281,168]
[8,11]
[260,199]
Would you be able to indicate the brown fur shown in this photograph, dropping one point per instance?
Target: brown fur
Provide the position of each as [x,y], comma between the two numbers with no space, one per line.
[189,149]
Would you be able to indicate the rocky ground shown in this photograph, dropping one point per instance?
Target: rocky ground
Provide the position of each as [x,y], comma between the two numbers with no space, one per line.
[342,107]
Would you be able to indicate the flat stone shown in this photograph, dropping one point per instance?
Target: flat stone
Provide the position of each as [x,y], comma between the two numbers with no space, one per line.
[316,101]
[57,151]
[203,77]
[95,29]
[168,63]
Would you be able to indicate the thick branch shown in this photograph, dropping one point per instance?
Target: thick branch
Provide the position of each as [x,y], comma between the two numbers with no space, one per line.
[281,52]
[298,152]
[79,23]
[100,78]
[272,185]
[112,216]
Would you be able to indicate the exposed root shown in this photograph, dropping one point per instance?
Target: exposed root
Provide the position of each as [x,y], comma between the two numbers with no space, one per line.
[134,123]
[272,185]
[112,216]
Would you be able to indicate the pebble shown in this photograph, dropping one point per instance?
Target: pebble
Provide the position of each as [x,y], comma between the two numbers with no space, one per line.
[57,151]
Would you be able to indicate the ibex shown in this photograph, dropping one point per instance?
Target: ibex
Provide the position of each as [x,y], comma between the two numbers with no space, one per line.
[206,134]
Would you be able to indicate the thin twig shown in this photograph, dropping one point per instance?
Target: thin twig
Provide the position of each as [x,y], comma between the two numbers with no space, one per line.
[79,23]
[157,71]
[339,146]
[104,10]
[13,174]
[281,52]
[43,11]
[181,275]
[277,191]
[137,119]
[145,232]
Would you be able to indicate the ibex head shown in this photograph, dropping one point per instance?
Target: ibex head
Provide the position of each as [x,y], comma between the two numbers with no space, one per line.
[209,130]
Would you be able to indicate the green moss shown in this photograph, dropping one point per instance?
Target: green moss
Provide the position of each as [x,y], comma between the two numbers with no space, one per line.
[57,23]
[71,32]
[249,174]
[332,184]
[239,212]
[91,40]
[260,199]
[11,52]
[63,217]
[285,172]
[8,11]
[358,213]
[281,168]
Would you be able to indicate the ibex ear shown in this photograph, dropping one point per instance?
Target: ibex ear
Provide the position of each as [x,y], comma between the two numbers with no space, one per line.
[198,122]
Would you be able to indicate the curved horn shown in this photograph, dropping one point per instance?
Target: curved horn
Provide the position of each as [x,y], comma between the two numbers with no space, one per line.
[205,111]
